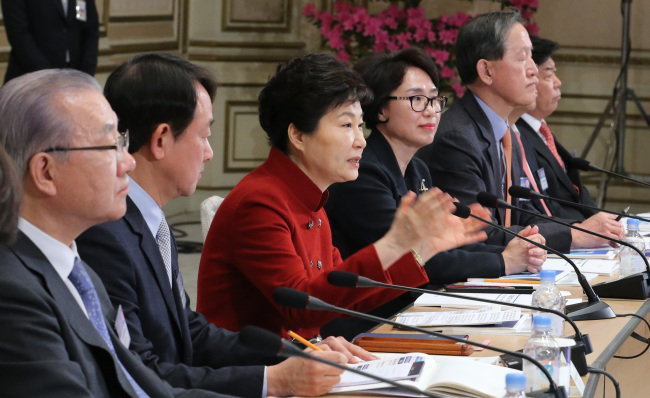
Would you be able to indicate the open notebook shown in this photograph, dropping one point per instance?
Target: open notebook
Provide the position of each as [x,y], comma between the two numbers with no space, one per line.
[448,376]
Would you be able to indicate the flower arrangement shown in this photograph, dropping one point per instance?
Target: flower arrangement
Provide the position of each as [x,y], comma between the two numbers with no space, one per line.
[352,33]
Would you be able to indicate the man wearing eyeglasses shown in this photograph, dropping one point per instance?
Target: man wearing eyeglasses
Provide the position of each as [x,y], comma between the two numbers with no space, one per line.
[165,103]
[474,149]
[58,337]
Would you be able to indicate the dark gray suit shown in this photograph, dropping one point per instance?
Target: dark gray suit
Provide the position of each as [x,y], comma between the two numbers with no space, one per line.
[463,160]
[174,341]
[560,182]
[49,348]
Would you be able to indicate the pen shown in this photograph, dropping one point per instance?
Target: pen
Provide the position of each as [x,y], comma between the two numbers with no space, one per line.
[304,341]
[513,281]
[625,210]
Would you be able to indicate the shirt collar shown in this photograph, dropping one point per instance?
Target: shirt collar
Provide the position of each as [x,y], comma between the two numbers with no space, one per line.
[148,207]
[296,180]
[532,121]
[499,126]
[57,253]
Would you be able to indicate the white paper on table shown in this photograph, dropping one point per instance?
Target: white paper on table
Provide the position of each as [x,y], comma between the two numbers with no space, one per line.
[485,316]
[597,266]
[572,279]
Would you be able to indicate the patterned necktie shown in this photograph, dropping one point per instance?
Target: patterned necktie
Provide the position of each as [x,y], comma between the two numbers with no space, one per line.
[81,281]
[550,142]
[529,174]
[164,245]
[507,153]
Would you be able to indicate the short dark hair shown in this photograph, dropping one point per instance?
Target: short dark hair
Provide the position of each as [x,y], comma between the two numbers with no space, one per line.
[304,90]
[154,88]
[542,49]
[10,193]
[383,73]
[483,37]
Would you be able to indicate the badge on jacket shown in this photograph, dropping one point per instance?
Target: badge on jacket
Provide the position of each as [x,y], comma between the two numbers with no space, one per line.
[121,328]
[80,11]
[423,187]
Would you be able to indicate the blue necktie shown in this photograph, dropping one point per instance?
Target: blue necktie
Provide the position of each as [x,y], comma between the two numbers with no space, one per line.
[81,281]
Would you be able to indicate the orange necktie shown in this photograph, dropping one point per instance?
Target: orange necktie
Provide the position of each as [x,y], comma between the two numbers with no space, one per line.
[529,174]
[507,153]
[550,142]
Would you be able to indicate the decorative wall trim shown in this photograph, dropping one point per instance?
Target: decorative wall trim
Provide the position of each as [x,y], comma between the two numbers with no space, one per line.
[231,163]
[140,47]
[240,58]
[141,18]
[249,44]
[231,21]
[598,59]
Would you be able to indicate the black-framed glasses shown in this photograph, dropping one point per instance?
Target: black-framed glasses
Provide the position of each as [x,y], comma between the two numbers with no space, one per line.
[121,145]
[420,102]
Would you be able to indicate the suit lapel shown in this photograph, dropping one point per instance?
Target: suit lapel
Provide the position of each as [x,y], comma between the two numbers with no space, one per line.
[541,149]
[149,247]
[59,6]
[36,261]
[487,134]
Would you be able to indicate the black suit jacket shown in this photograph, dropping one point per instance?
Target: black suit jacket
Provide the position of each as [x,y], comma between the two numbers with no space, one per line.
[176,342]
[560,182]
[49,348]
[362,211]
[463,160]
[40,34]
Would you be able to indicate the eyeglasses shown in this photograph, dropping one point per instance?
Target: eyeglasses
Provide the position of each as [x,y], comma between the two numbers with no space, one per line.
[420,102]
[121,145]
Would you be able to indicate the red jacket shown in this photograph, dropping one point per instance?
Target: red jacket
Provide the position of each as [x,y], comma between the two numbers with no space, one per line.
[272,231]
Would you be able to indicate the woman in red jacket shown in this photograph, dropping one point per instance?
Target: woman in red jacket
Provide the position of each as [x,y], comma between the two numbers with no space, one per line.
[272,231]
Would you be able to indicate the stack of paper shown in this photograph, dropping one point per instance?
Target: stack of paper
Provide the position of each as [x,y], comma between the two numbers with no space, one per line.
[432,300]
[604,253]
[522,279]
[594,266]
[491,315]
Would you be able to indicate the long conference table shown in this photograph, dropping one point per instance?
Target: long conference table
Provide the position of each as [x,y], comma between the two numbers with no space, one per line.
[609,338]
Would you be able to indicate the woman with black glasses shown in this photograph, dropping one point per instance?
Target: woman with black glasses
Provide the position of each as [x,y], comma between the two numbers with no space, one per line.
[404,116]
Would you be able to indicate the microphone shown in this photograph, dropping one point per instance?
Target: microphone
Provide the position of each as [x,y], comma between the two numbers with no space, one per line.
[300,300]
[578,351]
[631,287]
[527,193]
[585,165]
[594,308]
[262,340]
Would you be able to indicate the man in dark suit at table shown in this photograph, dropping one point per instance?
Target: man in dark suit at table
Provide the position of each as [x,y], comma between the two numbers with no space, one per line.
[553,172]
[51,34]
[166,105]
[57,337]
[473,149]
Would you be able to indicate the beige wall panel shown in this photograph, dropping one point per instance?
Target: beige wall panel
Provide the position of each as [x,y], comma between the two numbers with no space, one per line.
[141,7]
[141,31]
[593,23]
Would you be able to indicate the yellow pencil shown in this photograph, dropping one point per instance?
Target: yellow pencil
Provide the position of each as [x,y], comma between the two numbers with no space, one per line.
[509,281]
[304,341]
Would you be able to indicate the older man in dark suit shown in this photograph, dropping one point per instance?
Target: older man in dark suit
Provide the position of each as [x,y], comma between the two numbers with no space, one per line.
[473,150]
[57,337]
[51,34]
[553,171]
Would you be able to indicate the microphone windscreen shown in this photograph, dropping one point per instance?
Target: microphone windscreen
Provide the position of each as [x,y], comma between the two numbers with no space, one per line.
[520,192]
[259,339]
[291,298]
[343,279]
[462,211]
[581,164]
[488,200]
